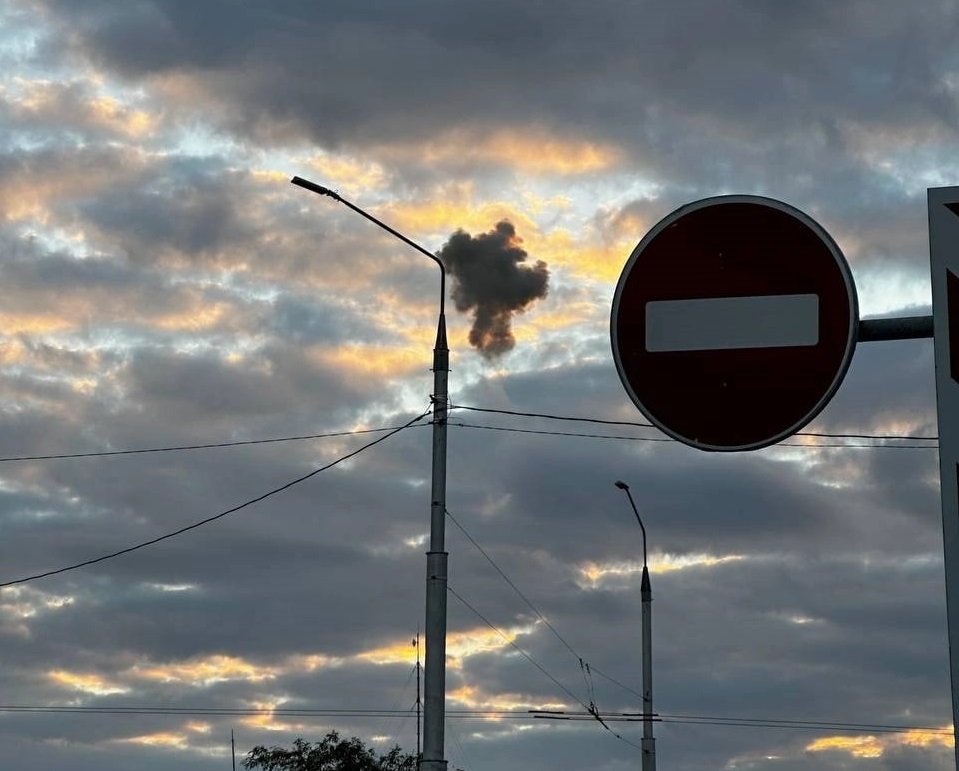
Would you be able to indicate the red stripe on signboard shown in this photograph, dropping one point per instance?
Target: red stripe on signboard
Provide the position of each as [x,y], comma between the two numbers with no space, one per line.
[952,308]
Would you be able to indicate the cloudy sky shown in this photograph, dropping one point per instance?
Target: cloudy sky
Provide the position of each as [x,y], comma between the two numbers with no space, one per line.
[163,285]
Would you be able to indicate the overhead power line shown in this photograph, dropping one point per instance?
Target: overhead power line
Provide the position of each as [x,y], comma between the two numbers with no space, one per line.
[899,438]
[643,424]
[800,445]
[207,520]
[590,708]
[492,714]
[210,446]
[811,725]
[514,587]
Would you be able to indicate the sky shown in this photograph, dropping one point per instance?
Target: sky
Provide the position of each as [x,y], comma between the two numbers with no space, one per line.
[165,286]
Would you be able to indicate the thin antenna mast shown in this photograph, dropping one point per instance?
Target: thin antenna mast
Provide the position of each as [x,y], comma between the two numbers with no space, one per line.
[416,644]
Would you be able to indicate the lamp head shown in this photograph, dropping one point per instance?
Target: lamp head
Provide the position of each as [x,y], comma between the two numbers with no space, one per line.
[622,485]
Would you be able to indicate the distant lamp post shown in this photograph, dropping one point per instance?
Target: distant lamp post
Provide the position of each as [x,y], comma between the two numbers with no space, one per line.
[649,743]
[434,703]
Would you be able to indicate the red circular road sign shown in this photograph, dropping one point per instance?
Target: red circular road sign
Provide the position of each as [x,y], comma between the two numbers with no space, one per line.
[734,322]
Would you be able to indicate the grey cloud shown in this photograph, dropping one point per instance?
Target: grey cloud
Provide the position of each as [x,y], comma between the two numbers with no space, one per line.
[829,62]
[192,211]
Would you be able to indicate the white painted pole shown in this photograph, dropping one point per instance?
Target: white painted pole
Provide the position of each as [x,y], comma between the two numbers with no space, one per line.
[943,206]
[434,686]
[648,743]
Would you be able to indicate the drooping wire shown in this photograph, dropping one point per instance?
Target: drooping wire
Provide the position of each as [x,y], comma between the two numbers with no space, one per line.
[583,665]
[514,587]
[356,432]
[207,520]
[590,708]
[179,448]
[394,709]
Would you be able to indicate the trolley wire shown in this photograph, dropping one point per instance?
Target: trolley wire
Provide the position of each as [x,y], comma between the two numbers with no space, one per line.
[590,708]
[360,713]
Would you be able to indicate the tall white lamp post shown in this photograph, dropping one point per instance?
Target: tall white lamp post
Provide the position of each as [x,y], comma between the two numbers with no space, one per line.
[434,687]
[648,743]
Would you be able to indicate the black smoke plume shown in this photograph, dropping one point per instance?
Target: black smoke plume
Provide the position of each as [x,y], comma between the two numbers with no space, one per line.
[491,282]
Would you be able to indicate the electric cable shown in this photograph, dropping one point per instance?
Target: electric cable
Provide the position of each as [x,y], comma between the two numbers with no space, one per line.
[210,446]
[356,432]
[583,665]
[464,757]
[591,709]
[801,445]
[828,725]
[514,587]
[215,517]
[642,424]
[395,708]
[633,717]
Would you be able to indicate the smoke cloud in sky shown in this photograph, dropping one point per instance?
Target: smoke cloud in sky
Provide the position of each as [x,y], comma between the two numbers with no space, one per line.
[491,282]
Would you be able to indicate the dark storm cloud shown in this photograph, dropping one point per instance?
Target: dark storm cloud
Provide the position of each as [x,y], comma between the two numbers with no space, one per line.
[491,282]
[821,65]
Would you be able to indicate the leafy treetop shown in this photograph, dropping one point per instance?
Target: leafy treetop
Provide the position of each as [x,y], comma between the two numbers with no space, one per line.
[330,754]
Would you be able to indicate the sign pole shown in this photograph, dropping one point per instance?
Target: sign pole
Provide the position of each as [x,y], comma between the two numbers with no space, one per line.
[943,203]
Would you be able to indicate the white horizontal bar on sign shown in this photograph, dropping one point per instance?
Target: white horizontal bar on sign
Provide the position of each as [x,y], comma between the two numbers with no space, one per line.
[719,323]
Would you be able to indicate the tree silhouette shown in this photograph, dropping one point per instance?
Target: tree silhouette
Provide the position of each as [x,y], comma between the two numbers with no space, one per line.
[330,754]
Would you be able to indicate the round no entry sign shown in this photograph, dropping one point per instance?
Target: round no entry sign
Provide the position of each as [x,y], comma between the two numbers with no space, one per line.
[734,322]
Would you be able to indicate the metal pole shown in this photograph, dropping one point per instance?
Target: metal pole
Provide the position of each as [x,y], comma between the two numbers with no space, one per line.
[648,744]
[419,704]
[434,704]
[901,328]
[233,749]
[434,688]
[943,205]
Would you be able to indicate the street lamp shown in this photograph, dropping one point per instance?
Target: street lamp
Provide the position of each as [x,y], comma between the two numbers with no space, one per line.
[434,687]
[648,743]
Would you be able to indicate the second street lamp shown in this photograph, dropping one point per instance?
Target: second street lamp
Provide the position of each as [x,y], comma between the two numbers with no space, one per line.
[434,687]
[648,743]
